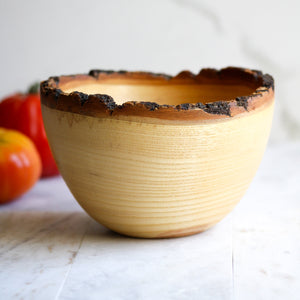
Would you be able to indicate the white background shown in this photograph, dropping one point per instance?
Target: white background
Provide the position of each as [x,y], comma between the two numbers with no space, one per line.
[44,38]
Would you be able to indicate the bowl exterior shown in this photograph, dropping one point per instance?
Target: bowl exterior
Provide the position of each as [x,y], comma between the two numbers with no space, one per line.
[146,179]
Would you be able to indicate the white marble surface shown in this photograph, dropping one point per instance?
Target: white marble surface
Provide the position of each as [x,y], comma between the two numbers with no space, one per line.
[50,249]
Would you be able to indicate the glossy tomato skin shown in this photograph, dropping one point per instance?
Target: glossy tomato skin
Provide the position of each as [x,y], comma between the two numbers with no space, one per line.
[22,112]
[20,164]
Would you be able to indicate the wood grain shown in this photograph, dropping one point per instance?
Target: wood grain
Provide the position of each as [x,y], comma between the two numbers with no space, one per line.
[157,180]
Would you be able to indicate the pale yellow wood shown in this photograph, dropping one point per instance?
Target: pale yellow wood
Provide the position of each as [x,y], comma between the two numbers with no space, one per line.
[150,180]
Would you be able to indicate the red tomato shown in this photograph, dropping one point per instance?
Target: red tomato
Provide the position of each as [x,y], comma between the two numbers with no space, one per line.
[20,164]
[22,112]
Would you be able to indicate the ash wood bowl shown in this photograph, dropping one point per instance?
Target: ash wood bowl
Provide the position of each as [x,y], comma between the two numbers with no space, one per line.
[149,155]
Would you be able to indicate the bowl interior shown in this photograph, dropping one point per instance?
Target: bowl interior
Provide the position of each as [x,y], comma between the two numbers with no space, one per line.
[161,92]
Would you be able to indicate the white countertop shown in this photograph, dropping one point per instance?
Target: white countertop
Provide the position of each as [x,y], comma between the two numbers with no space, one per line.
[50,249]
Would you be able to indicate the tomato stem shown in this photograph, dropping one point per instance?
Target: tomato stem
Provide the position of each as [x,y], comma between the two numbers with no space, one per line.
[34,88]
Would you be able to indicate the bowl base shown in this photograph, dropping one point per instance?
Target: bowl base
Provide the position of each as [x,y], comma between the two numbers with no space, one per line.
[175,233]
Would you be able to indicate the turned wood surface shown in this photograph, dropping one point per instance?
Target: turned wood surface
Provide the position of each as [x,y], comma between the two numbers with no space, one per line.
[157,180]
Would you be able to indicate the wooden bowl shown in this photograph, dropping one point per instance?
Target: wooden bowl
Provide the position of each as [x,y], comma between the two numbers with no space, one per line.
[149,155]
